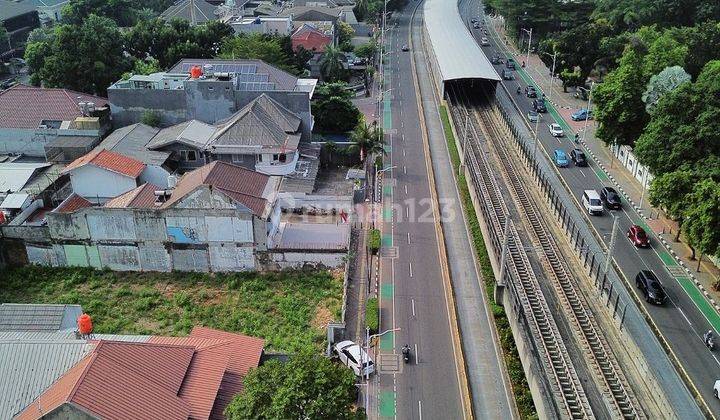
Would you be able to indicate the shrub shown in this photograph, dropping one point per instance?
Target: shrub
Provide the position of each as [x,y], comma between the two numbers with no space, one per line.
[374,242]
[150,118]
[372,315]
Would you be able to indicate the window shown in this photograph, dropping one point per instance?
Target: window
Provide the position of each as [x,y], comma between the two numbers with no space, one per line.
[275,157]
[237,158]
[188,155]
[260,158]
[283,158]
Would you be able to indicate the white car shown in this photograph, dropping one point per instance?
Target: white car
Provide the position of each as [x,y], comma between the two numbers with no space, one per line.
[352,355]
[484,42]
[716,389]
[556,130]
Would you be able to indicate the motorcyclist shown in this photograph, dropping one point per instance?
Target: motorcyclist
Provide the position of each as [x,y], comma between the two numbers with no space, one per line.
[518,90]
[577,137]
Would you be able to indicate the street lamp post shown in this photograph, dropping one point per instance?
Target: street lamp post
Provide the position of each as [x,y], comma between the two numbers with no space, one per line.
[552,73]
[537,127]
[527,59]
[611,247]
[587,116]
[365,374]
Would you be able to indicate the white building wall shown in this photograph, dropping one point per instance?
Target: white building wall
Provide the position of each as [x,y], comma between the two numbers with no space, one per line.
[95,184]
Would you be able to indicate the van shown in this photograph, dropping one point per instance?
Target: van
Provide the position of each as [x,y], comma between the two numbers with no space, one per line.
[591,201]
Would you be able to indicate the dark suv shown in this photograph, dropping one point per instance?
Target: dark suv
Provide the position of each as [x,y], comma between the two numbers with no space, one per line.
[611,198]
[530,92]
[510,63]
[578,157]
[648,283]
[539,106]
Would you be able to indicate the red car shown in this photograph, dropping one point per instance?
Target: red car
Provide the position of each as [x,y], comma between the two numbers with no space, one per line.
[637,236]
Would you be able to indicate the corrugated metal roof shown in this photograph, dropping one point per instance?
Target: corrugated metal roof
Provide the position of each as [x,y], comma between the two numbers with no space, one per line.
[31,317]
[456,51]
[29,367]
[131,141]
[14,175]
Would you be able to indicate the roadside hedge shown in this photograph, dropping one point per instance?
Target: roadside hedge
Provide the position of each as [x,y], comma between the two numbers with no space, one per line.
[374,241]
[372,315]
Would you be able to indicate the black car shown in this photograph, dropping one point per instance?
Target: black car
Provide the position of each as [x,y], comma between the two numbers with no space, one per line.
[611,198]
[510,64]
[539,105]
[578,156]
[530,92]
[648,283]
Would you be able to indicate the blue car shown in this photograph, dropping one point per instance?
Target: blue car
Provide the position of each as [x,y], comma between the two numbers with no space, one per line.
[560,158]
[581,115]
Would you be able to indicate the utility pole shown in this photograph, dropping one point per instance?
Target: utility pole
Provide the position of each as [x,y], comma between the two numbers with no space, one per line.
[527,59]
[537,127]
[587,115]
[611,248]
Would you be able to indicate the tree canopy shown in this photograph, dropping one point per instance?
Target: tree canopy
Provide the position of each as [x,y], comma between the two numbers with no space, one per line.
[86,57]
[306,387]
[272,49]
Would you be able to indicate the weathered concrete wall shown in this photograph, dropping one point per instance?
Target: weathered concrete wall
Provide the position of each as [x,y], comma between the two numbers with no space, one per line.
[127,106]
[111,225]
[282,260]
[28,233]
[230,257]
[209,100]
[120,257]
[95,184]
[191,260]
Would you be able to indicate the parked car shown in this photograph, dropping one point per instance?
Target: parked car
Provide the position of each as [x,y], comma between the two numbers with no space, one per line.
[530,92]
[638,237]
[510,64]
[611,198]
[560,158]
[507,75]
[539,105]
[556,130]
[581,115]
[474,20]
[484,42]
[648,283]
[405,48]
[592,203]
[352,355]
[496,59]
[533,116]
[578,156]
[716,389]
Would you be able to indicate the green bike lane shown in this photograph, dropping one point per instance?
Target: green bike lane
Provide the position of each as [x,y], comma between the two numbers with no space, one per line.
[688,285]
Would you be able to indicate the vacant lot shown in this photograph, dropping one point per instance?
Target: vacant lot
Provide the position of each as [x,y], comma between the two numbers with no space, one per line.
[289,309]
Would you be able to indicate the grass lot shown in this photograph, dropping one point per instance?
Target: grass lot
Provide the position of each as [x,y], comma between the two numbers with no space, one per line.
[289,309]
[520,387]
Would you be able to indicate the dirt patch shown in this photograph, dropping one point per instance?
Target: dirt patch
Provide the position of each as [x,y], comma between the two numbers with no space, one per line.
[322,317]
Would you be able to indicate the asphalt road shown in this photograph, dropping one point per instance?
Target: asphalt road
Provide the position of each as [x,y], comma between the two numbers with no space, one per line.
[680,321]
[413,297]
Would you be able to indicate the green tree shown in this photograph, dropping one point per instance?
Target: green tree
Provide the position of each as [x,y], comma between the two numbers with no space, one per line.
[662,83]
[367,50]
[702,218]
[3,37]
[306,387]
[335,115]
[336,89]
[668,191]
[76,11]
[331,66]
[258,46]
[87,57]
[369,140]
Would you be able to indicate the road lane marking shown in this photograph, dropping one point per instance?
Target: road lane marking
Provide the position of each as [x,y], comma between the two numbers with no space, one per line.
[403,152]
[406,189]
[410,265]
[583,173]
[412,303]
[407,212]
[420,409]
[408,237]
[404,170]
[417,356]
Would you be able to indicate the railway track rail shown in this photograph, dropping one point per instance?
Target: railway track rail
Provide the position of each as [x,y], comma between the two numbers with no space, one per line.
[571,400]
[618,396]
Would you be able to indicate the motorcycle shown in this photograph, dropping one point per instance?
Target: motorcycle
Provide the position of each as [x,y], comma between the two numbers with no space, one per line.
[710,343]
[406,353]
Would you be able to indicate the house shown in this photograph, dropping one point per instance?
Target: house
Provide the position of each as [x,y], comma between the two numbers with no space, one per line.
[34,120]
[268,25]
[196,12]
[216,90]
[311,39]
[186,142]
[49,10]
[18,18]
[323,19]
[131,141]
[101,175]
[54,374]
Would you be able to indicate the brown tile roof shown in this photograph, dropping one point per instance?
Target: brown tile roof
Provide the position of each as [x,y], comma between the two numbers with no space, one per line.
[73,203]
[111,161]
[242,185]
[246,352]
[140,197]
[191,377]
[310,39]
[24,106]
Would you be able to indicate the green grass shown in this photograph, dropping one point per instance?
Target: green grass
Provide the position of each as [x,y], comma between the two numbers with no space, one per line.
[290,309]
[521,390]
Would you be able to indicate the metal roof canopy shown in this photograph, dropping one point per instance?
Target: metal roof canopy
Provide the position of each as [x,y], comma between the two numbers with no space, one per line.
[457,53]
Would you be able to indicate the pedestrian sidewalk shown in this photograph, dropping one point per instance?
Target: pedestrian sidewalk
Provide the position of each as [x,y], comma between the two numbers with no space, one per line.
[678,254]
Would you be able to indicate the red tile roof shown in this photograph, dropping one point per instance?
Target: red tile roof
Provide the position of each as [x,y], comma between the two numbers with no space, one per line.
[73,203]
[111,161]
[242,185]
[140,197]
[310,39]
[24,106]
[191,377]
